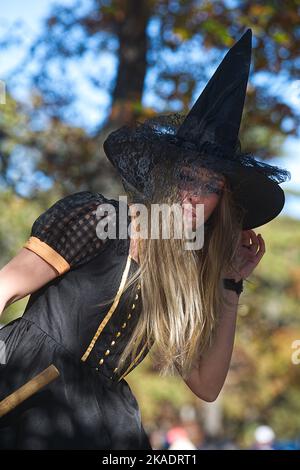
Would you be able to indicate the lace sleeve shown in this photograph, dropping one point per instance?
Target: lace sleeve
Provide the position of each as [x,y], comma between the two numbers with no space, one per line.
[65,235]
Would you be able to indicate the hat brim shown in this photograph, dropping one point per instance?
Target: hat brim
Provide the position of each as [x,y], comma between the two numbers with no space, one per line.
[262,198]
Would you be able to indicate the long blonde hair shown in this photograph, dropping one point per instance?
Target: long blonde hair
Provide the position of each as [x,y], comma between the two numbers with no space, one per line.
[181,290]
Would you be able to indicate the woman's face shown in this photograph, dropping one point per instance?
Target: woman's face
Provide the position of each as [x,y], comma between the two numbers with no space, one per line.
[200,186]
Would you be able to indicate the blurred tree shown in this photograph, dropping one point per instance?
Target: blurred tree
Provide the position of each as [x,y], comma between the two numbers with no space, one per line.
[179,43]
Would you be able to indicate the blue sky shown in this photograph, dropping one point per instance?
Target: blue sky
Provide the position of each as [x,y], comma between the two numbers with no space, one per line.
[94,109]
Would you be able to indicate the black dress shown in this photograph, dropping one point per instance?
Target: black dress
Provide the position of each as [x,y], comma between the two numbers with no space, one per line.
[90,405]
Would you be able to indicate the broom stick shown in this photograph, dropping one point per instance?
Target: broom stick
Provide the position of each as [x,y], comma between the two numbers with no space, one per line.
[32,386]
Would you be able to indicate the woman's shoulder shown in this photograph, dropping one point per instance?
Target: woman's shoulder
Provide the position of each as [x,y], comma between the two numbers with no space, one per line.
[78,227]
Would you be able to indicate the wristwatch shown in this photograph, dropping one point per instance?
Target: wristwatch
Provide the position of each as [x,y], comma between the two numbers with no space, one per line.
[231,284]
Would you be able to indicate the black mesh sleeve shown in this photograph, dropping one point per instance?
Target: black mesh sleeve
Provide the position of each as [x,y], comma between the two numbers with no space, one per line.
[65,234]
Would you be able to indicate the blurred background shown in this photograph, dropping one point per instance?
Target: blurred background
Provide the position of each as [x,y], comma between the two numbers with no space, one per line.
[71,72]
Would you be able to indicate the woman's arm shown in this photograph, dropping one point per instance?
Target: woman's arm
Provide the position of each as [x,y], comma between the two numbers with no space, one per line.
[207,380]
[22,275]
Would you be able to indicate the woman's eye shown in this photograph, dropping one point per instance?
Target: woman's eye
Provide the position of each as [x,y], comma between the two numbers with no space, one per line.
[206,187]
[211,188]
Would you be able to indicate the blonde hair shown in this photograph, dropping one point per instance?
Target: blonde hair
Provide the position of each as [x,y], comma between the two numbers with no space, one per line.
[181,290]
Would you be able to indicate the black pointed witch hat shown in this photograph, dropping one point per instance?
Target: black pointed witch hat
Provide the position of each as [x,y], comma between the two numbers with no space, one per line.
[207,137]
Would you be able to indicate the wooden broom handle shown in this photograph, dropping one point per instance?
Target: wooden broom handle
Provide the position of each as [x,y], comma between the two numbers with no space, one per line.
[32,386]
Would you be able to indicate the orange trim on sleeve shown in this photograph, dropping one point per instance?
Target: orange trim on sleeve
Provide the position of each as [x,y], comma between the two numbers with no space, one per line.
[48,254]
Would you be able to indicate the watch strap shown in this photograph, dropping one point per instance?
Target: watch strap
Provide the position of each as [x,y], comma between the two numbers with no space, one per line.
[231,284]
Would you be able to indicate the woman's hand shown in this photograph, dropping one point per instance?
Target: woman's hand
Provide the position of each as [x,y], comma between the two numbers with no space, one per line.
[250,252]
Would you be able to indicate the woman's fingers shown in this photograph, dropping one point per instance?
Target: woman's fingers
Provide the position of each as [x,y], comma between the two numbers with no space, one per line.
[255,242]
[262,249]
[250,241]
[246,238]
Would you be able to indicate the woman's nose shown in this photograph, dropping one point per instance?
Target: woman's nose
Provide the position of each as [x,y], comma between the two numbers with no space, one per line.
[195,199]
[192,198]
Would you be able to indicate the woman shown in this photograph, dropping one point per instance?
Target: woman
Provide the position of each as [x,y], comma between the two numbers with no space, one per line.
[99,305]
